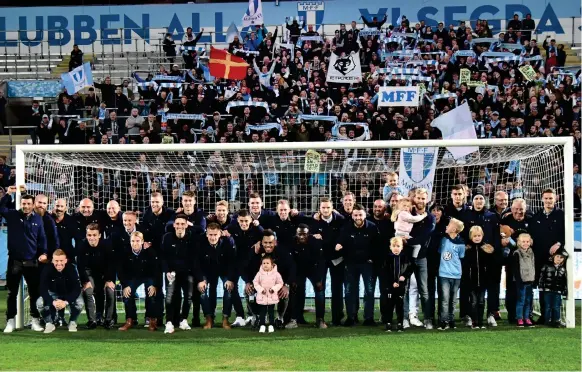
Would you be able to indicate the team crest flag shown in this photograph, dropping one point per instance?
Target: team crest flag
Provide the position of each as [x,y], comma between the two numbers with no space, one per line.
[78,78]
[418,168]
[224,65]
[254,14]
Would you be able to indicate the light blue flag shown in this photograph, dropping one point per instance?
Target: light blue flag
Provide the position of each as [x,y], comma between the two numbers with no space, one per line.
[77,79]
[231,33]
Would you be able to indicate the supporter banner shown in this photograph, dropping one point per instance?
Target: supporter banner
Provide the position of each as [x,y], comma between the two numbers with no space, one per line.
[418,168]
[34,88]
[78,78]
[398,96]
[312,161]
[464,76]
[254,14]
[311,12]
[344,70]
[528,72]
[457,124]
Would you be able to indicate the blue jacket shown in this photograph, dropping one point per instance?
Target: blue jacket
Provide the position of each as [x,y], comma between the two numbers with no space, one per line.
[52,236]
[421,233]
[26,236]
[359,245]
[65,284]
[451,251]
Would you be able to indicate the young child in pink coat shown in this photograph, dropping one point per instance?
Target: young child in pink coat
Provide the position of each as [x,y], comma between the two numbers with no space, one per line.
[267,283]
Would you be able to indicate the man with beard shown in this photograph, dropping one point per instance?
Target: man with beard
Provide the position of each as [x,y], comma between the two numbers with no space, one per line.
[519,222]
[359,244]
[386,229]
[329,225]
[66,229]
[548,232]
[307,250]
[488,221]
[285,267]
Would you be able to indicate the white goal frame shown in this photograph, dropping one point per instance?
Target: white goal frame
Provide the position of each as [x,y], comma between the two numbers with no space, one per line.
[566,142]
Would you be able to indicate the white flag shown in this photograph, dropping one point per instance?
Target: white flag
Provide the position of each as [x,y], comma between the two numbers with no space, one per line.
[231,33]
[418,168]
[457,124]
[344,70]
[254,14]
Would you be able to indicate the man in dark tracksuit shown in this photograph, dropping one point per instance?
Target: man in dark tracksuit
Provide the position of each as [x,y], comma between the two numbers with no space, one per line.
[386,229]
[96,264]
[519,223]
[137,266]
[178,254]
[154,221]
[487,220]
[66,229]
[548,233]
[114,219]
[26,248]
[329,226]
[245,234]
[283,223]
[59,287]
[216,259]
[307,251]
[359,244]
[285,266]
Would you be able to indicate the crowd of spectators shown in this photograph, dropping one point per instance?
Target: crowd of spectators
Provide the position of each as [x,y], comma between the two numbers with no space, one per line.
[290,77]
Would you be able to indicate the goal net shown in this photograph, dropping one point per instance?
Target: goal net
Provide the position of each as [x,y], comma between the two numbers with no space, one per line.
[301,173]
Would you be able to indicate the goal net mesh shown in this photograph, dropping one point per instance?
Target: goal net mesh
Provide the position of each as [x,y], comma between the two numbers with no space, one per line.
[130,177]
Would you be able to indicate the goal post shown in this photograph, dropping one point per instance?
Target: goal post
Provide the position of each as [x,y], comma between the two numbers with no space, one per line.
[279,171]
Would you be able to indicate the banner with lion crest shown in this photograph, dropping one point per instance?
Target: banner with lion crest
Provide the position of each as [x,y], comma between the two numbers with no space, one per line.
[344,69]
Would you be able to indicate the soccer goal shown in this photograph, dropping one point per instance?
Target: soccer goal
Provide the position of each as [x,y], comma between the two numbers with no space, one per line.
[302,173]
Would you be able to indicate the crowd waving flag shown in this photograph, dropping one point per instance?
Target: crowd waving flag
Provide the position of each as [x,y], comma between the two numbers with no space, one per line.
[457,124]
[78,78]
[254,14]
[225,65]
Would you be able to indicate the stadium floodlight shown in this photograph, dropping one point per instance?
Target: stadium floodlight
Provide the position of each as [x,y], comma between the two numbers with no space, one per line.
[301,172]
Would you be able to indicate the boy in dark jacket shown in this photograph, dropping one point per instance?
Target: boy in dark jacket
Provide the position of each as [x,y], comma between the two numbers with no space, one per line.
[397,272]
[553,285]
[59,287]
[478,260]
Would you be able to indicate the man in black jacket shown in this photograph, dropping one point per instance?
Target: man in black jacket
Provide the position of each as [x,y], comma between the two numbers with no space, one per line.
[178,253]
[139,265]
[97,272]
[359,244]
[87,215]
[107,91]
[215,260]
[66,229]
[548,232]
[59,287]
[328,226]
[307,250]
[285,265]
[27,248]
[528,25]
[246,233]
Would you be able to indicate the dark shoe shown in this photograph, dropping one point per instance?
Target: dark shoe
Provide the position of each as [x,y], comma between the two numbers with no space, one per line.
[208,323]
[195,322]
[336,323]
[99,322]
[357,320]
[91,325]
[388,327]
[108,324]
[349,322]
[400,328]
[279,324]
[541,320]
[128,324]
[444,326]
[452,325]
[369,323]
[153,326]
[302,321]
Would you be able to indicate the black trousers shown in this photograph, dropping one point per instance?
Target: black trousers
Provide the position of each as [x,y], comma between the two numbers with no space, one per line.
[236,299]
[465,295]
[393,299]
[180,297]
[336,274]
[16,270]
[99,300]
[263,310]
[493,287]
[477,305]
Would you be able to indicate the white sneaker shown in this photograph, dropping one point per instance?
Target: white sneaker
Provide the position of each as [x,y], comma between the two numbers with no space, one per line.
[35,326]
[49,328]
[169,328]
[415,321]
[239,322]
[262,329]
[468,321]
[292,324]
[428,324]
[250,320]
[405,324]
[491,321]
[72,327]
[147,323]
[184,325]
[271,329]
[10,326]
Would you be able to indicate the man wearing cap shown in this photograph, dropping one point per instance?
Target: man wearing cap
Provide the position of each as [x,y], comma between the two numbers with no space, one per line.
[494,121]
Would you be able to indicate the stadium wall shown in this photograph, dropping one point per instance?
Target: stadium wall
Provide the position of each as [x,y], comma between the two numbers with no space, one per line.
[114,26]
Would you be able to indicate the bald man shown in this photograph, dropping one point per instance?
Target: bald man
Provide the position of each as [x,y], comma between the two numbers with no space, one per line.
[66,229]
[88,214]
[114,220]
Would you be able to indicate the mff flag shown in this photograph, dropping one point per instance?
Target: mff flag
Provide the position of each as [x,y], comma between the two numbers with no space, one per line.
[224,65]
[77,79]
